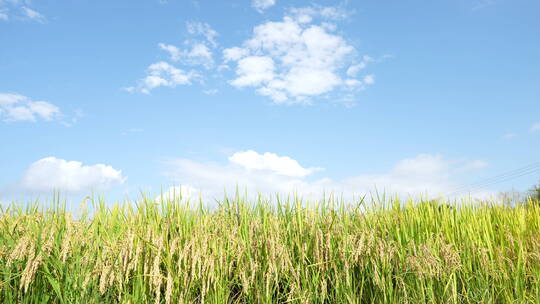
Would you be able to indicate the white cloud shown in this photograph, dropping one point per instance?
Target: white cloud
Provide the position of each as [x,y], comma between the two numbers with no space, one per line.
[509,135]
[203,29]
[132,131]
[32,14]
[163,74]
[254,70]
[281,165]
[183,192]
[196,53]
[210,92]
[353,70]
[213,179]
[307,14]
[261,5]
[295,59]
[535,127]
[50,173]
[16,107]
[200,54]
[270,174]
[19,9]
[476,164]
[481,4]
[369,79]
[234,53]
[409,176]
[173,51]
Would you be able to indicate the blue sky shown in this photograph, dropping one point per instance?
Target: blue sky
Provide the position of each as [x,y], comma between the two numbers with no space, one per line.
[409,96]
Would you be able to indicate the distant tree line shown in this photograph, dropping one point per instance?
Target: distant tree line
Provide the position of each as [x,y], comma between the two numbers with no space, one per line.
[534,193]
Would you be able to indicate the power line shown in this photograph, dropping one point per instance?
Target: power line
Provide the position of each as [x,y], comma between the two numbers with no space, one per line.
[502,175]
[506,176]
[479,187]
[532,166]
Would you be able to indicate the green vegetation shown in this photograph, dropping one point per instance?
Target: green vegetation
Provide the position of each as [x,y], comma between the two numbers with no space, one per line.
[534,193]
[284,252]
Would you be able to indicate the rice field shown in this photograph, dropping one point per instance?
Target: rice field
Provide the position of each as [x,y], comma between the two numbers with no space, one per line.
[279,251]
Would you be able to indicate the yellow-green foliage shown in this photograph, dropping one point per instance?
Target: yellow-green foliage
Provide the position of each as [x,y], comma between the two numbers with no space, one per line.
[261,252]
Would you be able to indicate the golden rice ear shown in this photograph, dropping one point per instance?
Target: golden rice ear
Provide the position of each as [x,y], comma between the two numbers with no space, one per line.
[272,253]
[83,204]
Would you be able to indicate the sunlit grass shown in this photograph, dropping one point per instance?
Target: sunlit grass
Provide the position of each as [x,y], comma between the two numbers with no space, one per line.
[271,252]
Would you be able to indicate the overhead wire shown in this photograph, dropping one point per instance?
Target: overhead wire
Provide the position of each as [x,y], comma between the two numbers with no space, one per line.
[506,176]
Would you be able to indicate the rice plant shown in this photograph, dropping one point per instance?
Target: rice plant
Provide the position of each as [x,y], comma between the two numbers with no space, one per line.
[271,251]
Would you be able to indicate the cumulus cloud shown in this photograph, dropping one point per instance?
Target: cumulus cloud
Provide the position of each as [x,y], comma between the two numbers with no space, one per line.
[295,59]
[281,165]
[200,54]
[535,127]
[253,71]
[262,5]
[270,174]
[16,107]
[234,53]
[53,174]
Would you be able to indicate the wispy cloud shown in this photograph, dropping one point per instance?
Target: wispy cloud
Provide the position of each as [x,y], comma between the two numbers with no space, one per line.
[3,15]
[262,5]
[210,92]
[20,9]
[203,29]
[509,136]
[198,52]
[16,107]
[269,173]
[481,4]
[132,131]
[32,14]
[535,127]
